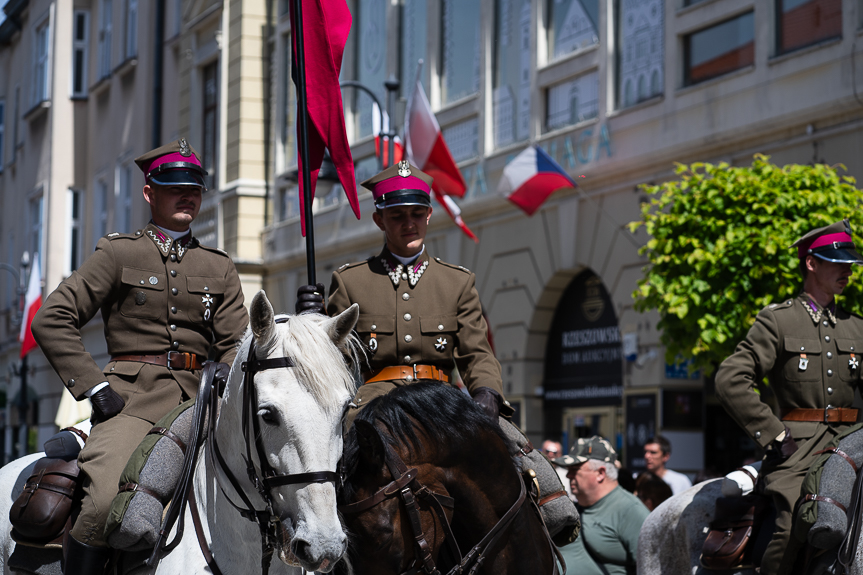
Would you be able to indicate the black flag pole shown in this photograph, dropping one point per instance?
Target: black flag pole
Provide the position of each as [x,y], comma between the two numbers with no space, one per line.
[303,119]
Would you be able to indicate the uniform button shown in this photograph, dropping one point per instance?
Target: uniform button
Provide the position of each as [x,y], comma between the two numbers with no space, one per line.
[829,354]
[406,296]
[141,282]
[757,435]
[440,327]
[173,310]
[829,372]
[407,317]
[409,378]
[173,327]
[173,257]
[206,288]
[825,324]
[71,383]
[829,391]
[173,273]
[826,338]
[407,359]
[174,291]
[175,344]
[408,338]
[802,348]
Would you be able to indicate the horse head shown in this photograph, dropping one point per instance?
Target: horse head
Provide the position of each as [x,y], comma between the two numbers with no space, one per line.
[289,403]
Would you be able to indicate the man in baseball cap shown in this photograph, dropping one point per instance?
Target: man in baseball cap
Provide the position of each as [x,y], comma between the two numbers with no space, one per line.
[611,517]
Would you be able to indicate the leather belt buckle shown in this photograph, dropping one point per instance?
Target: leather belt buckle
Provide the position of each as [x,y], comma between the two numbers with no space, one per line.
[415,372]
[827,413]
[184,360]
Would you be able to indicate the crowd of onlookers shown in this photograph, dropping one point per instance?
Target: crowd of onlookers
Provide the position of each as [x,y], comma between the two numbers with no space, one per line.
[612,501]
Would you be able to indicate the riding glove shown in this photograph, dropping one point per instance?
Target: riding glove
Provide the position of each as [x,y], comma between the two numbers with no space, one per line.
[106,404]
[780,448]
[220,378]
[310,298]
[489,400]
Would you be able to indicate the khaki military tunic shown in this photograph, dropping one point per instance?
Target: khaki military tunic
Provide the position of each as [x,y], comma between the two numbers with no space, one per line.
[436,322]
[809,364]
[156,295]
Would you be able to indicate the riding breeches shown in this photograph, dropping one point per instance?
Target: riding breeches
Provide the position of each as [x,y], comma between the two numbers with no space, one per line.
[782,483]
[102,461]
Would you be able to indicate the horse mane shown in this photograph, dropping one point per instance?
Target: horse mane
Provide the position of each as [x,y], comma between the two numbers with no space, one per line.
[320,366]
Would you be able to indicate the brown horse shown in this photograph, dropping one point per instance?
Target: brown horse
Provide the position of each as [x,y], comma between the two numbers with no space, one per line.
[431,487]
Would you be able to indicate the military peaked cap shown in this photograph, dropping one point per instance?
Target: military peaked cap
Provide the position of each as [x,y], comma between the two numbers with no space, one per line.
[400,185]
[832,243]
[175,164]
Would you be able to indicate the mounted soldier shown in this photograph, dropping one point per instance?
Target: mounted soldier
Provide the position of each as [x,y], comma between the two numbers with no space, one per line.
[168,304]
[809,350]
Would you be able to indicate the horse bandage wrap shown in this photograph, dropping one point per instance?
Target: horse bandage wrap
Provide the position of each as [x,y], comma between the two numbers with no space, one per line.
[148,482]
[558,511]
[821,520]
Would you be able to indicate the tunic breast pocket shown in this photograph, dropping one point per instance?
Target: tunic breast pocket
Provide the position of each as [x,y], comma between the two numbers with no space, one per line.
[848,359]
[439,333]
[142,293]
[205,296]
[802,359]
[376,331]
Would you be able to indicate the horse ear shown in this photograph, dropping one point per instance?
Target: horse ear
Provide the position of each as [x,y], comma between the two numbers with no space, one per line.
[339,327]
[262,318]
[370,442]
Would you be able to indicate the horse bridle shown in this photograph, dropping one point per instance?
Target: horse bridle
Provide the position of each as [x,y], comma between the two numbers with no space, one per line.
[268,479]
[408,487]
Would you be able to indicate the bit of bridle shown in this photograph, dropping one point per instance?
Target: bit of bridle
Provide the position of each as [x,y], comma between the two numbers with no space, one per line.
[406,485]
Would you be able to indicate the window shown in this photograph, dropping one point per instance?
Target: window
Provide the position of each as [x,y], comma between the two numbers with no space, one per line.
[131,29]
[73,240]
[640,51]
[34,241]
[571,102]
[123,200]
[371,61]
[40,63]
[105,16]
[80,39]
[800,23]
[511,74]
[210,109]
[289,108]
[460,54]
[414,34]
[100,209]
[178,17]
[2,132]
[720,49]
[462,139]
[572,24]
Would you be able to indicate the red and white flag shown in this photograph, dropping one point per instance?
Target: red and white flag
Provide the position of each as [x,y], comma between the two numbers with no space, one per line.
[426,147]
[398,149]
[32,303]
[454,212]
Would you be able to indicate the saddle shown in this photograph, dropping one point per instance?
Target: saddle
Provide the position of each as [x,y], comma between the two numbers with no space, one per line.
[739,533]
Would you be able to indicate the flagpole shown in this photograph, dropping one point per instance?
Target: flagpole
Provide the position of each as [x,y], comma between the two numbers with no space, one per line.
[302,117]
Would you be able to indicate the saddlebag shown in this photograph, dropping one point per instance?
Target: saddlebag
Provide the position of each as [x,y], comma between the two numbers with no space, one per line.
[731,531]
[148,482]
[40,513]
[558,511]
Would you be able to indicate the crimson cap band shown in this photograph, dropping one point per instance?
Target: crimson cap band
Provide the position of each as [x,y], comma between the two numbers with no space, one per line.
[833,243]
[400,185]
[591,448]
[175,164]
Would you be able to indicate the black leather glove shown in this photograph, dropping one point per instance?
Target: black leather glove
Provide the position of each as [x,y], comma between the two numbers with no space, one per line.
[311,298]
[106,404]
[220,378]
[779,451]
[489,400]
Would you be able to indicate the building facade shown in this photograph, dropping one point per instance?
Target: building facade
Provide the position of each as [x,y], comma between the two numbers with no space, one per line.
[616,91]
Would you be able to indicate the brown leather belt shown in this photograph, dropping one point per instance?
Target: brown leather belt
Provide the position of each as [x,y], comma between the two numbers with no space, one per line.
[826,415]
[410,373]
[173,360]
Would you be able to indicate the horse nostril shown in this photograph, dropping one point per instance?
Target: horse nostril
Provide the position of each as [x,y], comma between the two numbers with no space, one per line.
[302,550]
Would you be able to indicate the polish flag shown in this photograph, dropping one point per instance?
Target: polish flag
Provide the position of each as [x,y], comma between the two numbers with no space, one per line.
[426,147]
[398,149]
[32,303]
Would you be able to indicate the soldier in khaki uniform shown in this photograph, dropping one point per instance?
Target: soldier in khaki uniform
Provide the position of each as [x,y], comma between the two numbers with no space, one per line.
[418,315]
[809,349]
[168,303]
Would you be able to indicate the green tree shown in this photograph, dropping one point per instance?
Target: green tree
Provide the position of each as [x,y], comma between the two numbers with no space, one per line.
[719,248]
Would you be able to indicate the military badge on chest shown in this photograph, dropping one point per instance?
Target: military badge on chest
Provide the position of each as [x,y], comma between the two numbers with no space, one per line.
[207,300]
[803,363]
[853,362]
[373,344]
[440,344]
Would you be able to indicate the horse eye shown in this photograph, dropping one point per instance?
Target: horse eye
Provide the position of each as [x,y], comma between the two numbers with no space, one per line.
[268,415]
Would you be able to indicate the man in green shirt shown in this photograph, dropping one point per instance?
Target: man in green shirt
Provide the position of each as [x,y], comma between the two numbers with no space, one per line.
[611,517]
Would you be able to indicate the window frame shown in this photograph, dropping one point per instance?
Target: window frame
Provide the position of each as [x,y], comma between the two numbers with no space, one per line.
[80,46]
[123,197]
[210,142]
[687,49]
[130,30]
[105,38]
[73,235]
[41,90]
[779,50]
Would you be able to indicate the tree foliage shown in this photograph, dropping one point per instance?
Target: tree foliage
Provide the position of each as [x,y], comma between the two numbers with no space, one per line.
[719,248]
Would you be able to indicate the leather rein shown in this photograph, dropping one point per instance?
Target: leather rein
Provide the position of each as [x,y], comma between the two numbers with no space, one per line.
[406,485]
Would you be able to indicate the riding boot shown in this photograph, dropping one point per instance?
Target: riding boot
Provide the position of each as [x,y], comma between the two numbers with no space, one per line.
[83,559]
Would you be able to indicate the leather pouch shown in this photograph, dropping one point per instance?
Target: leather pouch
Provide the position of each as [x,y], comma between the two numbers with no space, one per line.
[41,511]
[729,533]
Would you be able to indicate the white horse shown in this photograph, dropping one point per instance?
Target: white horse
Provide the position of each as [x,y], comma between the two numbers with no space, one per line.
[300,412]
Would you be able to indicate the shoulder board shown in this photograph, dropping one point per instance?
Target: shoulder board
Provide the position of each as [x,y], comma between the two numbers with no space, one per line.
[350,265]
[453,266]
[780,305]
[214,250]
[117,235]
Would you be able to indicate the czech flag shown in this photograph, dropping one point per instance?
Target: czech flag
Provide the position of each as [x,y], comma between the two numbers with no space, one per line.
[531,177]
